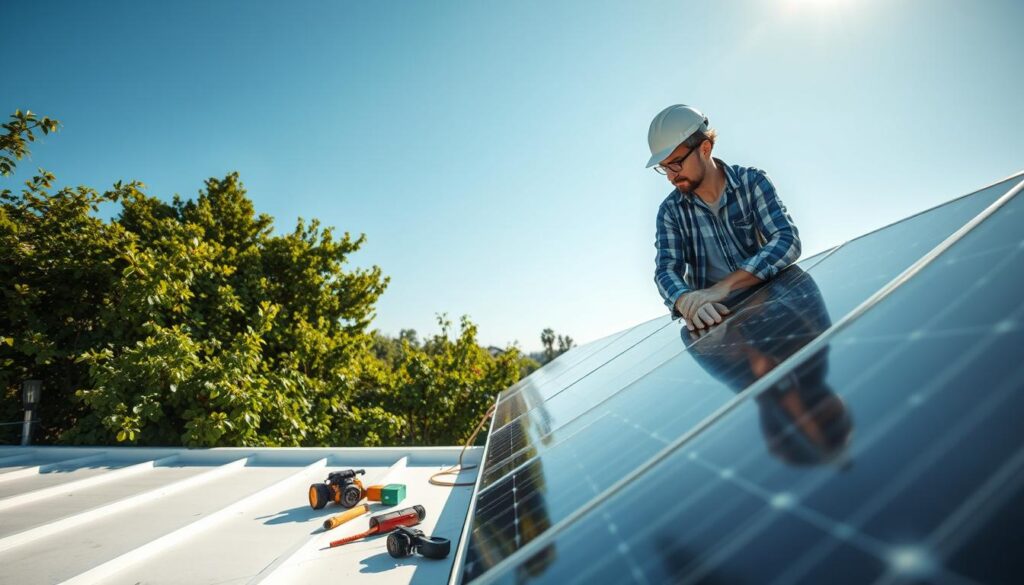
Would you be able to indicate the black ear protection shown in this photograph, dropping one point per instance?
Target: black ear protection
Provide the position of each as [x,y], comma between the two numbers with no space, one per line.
[403,542]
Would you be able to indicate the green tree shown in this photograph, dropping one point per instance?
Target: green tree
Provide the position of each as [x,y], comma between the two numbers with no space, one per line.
[182,323]
[190,322]
[438,391]
[18,132]
[57,273]
[548,340]
[252,338]
[390,349]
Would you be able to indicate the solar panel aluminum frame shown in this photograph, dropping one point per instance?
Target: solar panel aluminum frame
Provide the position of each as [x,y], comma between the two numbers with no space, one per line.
[764,383]
[458,563]
[933,208]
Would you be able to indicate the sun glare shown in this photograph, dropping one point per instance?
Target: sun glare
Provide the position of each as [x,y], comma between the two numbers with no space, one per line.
[820,4]
[828,9]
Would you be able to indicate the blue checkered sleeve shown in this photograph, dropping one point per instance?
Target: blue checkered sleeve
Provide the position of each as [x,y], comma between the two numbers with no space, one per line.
[782,246]
[670,265]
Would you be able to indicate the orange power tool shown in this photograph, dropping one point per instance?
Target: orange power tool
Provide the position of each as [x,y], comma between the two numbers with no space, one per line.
[386,523]
[341,487]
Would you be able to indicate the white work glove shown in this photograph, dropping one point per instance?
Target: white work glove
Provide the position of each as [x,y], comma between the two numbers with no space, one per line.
[688,304]
[707,315]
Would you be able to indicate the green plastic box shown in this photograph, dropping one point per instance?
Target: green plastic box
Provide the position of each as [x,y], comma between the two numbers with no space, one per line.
[392,494]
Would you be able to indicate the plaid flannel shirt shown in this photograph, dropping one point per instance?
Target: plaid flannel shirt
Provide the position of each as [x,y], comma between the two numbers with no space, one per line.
[753,229]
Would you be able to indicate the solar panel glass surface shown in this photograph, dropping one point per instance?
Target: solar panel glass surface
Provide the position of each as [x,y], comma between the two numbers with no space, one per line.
[894,453]
[568,368]
[587,434]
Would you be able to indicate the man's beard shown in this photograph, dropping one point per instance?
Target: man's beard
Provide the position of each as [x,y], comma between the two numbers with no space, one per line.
[694,184]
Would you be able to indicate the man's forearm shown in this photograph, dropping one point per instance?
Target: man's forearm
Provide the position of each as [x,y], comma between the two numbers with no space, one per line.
[737,280]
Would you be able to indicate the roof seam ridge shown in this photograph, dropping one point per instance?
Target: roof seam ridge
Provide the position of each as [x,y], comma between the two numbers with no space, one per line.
[105,570]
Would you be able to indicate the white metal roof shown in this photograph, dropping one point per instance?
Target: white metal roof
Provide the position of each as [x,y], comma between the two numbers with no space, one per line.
[238,515]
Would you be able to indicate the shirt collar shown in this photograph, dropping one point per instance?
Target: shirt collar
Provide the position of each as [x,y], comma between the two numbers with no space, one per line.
[732,180]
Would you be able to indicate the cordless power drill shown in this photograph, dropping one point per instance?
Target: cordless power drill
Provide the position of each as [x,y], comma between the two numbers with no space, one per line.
[341,487]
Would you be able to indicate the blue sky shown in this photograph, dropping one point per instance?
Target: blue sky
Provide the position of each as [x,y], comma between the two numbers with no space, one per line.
[493,152]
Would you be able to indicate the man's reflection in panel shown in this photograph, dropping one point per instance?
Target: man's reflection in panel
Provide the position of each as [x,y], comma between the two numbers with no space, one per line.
[803,421]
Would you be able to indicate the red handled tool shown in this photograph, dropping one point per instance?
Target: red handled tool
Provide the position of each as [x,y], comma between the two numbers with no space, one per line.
[386,523]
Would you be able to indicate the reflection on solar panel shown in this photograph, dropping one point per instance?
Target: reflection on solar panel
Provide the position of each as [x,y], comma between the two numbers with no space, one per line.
[854,420]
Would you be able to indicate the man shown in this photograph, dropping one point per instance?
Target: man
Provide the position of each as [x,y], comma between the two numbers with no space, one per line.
[720,230]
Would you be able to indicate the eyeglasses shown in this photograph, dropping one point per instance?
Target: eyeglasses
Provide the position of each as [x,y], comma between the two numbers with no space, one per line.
[676,165]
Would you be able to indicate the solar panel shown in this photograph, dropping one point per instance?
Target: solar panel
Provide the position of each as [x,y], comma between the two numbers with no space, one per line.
[888,455]
[568,368]
[558,454]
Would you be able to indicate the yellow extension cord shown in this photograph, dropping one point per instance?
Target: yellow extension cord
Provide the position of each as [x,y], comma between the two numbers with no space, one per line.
[458,468]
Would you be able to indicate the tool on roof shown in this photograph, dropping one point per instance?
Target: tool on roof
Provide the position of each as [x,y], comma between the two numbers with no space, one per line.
[404,542]
[391,494]
[336,521]
[386,523]
[341,487]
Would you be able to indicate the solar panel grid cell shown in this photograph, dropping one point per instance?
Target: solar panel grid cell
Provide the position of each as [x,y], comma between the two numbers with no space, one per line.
[504,443]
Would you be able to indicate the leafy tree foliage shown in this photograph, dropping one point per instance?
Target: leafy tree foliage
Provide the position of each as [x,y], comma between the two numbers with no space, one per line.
[192,323]
[437,389]
[17,134]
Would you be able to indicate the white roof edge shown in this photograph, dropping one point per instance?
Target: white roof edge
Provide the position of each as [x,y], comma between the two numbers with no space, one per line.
[382,455]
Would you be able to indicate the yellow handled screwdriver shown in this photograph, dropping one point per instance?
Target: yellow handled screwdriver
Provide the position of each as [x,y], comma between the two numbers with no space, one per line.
[336,521]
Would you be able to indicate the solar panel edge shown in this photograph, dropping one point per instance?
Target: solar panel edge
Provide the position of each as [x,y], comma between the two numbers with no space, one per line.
[608,339]
[824,255]
[458,562]
[762,384]
[519,386]
[1018,174]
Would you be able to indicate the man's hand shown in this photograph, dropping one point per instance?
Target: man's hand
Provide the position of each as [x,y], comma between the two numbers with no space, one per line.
[707,315]
[689,303]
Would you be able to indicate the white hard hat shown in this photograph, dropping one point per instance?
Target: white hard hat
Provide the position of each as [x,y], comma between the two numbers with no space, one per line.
[670,128]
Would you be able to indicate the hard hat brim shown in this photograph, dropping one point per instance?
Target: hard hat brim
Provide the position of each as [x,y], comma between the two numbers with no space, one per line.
[661,155]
